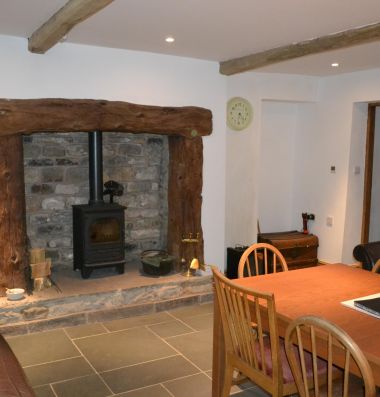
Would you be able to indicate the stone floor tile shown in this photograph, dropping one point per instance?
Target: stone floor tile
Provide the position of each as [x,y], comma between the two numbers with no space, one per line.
[197,385]
[149,373]
[57,371]
[119,349]
[172,328]
[137,321]
[151,391]
[197,347]
[42,347]
[44,391]
[133,358]
[56,322]
[238,388]
[87,386]
[80,331]
[244,386]
[193,310]
[201,322]
[245,389]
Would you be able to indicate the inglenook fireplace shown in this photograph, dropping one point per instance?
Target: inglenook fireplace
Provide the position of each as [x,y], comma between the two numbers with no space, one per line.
[185,127]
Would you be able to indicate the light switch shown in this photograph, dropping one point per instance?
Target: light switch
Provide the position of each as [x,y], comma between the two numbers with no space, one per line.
[356,170]
[329,221]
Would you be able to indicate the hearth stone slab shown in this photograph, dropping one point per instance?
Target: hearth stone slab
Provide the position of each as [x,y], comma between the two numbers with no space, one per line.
[34,313]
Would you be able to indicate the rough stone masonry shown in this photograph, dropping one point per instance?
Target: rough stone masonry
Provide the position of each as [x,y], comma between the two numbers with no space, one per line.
[56,177]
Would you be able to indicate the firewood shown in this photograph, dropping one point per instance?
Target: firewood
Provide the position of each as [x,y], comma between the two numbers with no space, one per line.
[41,269]
[37,255]
[41,283]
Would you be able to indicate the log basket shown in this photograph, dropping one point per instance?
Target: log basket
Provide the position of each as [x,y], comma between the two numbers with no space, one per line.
[157,262]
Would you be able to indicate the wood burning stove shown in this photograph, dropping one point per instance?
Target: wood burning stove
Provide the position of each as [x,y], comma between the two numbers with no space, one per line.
[98,227]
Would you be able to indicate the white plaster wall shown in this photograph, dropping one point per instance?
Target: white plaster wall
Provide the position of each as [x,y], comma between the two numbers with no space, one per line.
[336,121]
[318,190]
[276,166]
[355,192]
[374,229]
[306,163]
[243,148]
[76,71]
[326,123]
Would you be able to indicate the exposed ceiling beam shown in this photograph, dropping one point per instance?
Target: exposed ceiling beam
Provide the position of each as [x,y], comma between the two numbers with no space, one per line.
[347,38]
[55,28]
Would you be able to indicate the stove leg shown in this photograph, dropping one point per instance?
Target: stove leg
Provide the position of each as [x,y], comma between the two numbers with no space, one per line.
[85,272]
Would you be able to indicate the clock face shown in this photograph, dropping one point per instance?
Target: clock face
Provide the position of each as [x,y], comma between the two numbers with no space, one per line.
[239,113]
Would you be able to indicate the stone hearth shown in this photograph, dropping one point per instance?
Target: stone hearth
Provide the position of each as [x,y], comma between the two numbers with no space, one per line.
[105,296]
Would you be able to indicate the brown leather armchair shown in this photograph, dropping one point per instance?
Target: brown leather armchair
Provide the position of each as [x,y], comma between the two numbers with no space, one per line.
[13,382]
[368,254]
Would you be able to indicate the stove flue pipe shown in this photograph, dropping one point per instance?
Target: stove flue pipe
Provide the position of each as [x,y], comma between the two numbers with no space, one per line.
[95,160]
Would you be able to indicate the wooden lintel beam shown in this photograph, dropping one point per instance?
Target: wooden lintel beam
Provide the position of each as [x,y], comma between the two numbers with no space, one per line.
[347,38]
[26,116]
[72,13]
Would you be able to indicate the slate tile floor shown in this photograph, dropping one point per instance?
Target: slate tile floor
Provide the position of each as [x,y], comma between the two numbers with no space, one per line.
[166,354]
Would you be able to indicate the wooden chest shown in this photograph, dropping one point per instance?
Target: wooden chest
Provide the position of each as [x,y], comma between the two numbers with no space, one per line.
[299,249]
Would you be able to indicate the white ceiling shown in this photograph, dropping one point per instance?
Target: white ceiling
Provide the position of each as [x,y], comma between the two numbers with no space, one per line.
[214,30]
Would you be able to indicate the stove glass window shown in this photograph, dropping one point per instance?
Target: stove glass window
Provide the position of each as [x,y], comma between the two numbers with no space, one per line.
[105,230]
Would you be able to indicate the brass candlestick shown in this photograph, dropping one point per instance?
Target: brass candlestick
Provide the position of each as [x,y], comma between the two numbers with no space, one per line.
[193,264]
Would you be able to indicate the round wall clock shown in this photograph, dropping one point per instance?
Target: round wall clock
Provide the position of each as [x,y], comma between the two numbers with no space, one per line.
[239,113]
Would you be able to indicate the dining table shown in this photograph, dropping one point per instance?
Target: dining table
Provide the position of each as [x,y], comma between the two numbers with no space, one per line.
[319,291]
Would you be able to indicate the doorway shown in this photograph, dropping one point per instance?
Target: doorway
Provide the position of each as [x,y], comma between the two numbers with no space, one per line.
[371,200]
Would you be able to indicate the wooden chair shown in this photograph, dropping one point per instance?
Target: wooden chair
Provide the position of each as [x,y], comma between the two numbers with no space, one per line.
[301,333]
[376,268]
[266,259]
[253,353]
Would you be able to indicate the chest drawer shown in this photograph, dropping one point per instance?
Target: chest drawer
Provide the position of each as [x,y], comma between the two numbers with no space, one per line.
[299,250]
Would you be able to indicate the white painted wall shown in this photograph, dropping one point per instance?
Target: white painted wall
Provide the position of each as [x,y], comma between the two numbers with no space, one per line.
[374,229]
[243,148]
[355,189]
[276,166]
[329,133]
[337,122]
[76,71]
[307,160]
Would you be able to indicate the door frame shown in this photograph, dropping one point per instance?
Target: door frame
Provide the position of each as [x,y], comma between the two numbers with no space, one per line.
[369,152]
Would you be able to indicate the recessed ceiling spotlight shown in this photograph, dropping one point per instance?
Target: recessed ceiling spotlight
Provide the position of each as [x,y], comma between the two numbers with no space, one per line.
[170,39]
[335,64]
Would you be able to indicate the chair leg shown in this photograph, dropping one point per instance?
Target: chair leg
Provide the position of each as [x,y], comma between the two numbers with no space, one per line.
[228,374]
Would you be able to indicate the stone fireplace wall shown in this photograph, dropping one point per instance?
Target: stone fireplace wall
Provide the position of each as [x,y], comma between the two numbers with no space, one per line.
[56,177]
